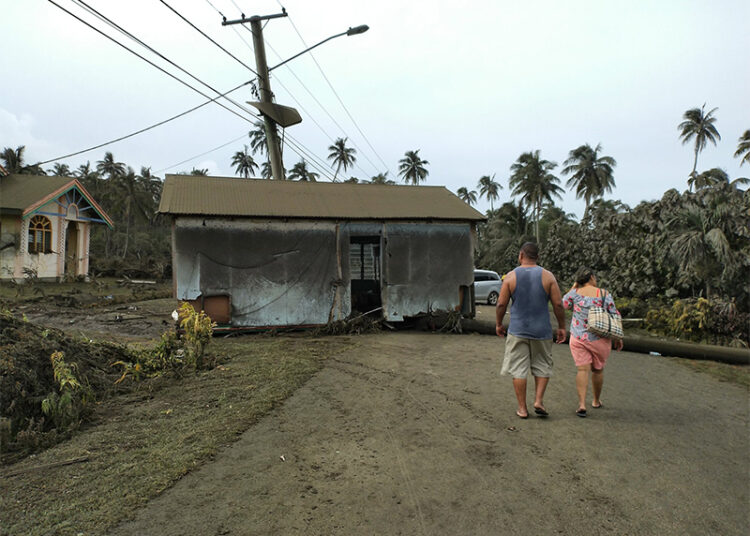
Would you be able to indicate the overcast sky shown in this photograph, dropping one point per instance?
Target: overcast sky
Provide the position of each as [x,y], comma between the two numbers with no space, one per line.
[472,85]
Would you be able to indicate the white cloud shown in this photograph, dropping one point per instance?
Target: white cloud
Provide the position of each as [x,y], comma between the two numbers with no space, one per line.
[17,130]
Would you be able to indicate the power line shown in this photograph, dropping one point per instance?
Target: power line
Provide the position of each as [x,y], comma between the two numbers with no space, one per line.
[309,92]
[145,45]
[220,95]
[291,95]
[97,30]
[202,154]
[322,107]
[143,129]
[309,115]
[337,95]
[283,86]
[215,8]
[209,38]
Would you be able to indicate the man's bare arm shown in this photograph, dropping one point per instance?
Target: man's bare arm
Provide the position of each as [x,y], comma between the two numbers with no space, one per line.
[502,306]
[556,298]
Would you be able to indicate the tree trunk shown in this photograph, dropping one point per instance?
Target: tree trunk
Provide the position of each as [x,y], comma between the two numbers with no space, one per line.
[127,229]
[695,166]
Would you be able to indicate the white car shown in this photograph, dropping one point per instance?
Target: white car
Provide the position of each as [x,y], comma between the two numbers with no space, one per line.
[487,286]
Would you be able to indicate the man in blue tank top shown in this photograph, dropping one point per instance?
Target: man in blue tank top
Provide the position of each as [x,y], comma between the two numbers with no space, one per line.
[529,342]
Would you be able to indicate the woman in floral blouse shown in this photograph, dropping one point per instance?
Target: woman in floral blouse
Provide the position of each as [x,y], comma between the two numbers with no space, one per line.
[589,351]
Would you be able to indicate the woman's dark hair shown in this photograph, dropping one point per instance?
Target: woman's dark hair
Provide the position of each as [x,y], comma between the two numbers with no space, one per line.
[583,275]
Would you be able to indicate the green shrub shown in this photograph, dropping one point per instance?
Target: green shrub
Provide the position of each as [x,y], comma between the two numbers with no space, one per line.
[173,355]
[65,406]
[698,320]
[198,329]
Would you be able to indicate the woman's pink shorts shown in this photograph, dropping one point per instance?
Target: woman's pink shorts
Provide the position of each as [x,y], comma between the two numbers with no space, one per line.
[594,353]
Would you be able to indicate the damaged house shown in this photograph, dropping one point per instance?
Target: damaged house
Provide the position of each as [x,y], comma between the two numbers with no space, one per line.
[265,253]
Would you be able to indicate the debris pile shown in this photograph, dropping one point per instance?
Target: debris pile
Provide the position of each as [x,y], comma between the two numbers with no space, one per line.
[27,379]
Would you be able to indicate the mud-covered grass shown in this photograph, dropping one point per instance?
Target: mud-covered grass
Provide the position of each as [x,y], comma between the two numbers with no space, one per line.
[141,442]
[738,374]
[102,291]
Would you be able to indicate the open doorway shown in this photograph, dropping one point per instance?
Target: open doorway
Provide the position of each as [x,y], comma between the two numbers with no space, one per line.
[364,270]
[71,249]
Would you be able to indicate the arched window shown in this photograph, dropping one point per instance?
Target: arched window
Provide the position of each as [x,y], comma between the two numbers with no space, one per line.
[40,235]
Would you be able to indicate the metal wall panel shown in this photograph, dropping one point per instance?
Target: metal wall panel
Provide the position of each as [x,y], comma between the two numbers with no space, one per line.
[298,273]
[277,274]
[425,266]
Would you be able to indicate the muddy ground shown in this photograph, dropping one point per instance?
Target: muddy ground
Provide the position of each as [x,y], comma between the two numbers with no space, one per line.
[415,433]
[118,322]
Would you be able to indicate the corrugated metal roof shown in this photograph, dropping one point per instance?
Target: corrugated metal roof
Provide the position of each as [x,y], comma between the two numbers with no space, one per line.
[25,193]
[229,196]
[21,191]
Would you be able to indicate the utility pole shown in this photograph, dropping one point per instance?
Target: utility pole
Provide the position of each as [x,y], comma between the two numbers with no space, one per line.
[276,114]
[264,88]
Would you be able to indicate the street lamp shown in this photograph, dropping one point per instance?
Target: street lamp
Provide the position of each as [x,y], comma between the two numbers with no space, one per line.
[273,113]
[351,31]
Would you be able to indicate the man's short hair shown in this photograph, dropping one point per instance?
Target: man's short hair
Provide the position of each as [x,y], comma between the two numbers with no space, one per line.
[531,251]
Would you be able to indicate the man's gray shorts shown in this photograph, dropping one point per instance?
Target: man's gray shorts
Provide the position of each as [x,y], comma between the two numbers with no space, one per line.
[524,354]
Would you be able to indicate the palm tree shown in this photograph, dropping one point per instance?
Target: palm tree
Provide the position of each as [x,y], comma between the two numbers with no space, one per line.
[13,159]
[13,162]
[301,173]
[244,163]
[352,180]
[198,172]
[381,178]
[127,197]
[151,187]
[412,168]
[265,170]
[591,174]
[341,155]
[258,138]
[532,180]
[107,166]
[700,245]
[743,148]
[467,196]
[708,178]
[61,170]
[85,173]
[88,177]
[489,189]
[699,125]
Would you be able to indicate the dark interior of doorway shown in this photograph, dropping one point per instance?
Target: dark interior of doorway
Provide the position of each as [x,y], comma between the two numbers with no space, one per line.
[364,269]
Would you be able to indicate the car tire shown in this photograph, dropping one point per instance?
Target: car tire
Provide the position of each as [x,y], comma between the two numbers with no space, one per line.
[492,298]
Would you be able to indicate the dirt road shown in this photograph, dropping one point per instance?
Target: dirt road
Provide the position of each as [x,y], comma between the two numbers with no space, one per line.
[415,434]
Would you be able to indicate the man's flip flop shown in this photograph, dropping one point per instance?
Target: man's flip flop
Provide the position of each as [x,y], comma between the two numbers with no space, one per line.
[522,416]
[541,412]
[597,407]
[581,412]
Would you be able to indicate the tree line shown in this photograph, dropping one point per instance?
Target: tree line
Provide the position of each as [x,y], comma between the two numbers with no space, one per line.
[412,168]
[685,245]
[693,243]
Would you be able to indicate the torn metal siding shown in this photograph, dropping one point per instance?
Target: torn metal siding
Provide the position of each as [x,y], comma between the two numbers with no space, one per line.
[425,266]
[276,273]
[281,273]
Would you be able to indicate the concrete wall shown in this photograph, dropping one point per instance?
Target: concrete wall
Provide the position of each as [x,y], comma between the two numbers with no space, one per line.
[10,232]
[294,273]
